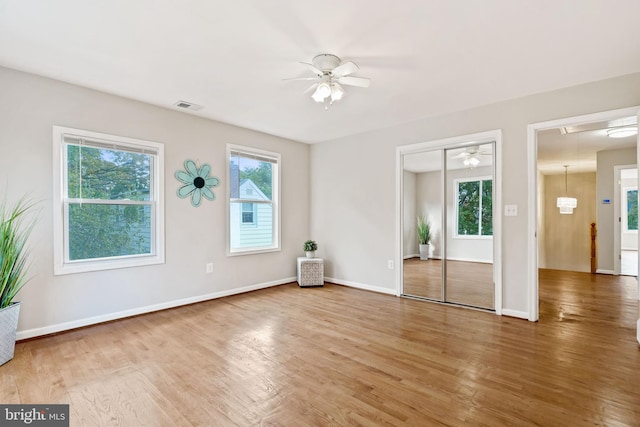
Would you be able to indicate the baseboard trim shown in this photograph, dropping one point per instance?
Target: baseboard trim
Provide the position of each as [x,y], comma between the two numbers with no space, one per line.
[611,272]
[89,321]
[480,261]
[360,286]
[515,313]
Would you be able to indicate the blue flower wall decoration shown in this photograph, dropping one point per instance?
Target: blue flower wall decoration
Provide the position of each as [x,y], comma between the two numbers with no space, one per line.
[197,182]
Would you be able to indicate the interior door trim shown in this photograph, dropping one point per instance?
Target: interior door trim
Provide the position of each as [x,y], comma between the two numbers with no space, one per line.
[447,143]
[532,213]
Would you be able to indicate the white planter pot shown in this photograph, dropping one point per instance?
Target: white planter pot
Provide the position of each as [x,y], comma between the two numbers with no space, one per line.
[311,254]
[8,327]
[424,251]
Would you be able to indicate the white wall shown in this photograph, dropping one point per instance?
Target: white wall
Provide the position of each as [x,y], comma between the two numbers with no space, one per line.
[410,237]
[428,200]
[567,243]
[31,105]
[352,172]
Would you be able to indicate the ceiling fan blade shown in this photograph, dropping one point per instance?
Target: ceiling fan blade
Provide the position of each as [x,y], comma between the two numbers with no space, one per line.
[345,69]
[355,81]
[311,88]
[313,68]
[302,78]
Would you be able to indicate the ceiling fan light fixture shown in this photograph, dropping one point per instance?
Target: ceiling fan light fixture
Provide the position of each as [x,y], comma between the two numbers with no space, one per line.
[330,73]
[322,91]
[622,132]
[471,161]
[336,92]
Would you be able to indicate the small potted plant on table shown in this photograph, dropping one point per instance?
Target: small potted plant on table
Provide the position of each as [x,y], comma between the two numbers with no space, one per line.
[310,247]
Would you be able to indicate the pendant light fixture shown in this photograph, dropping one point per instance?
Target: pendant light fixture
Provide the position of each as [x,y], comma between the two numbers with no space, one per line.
[566,204]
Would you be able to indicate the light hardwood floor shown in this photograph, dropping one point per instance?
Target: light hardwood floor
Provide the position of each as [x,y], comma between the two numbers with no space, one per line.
[468,283]
[341,356]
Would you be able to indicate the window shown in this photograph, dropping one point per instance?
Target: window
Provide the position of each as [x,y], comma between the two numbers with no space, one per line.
[248,215]
[630,209]
[474,216]
[108,207]
[254,217]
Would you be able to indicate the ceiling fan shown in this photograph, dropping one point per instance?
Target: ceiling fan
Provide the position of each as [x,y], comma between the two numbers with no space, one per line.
[330,75]
[471,156]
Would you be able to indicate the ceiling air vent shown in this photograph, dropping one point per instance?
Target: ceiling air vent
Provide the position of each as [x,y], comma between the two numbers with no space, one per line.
[188,105]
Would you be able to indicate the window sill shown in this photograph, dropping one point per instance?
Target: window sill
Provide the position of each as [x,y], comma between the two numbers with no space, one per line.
[463,237]
[251,251]
[88,266]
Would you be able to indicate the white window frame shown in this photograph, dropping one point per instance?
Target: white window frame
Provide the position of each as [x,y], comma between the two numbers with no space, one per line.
[62,264]
[456,185]
[275,199]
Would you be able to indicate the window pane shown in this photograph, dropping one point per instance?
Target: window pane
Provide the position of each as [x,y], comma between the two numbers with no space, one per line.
[632,209]
[487,208]
[468,207]
[250,178]
[258,234]
[101,231]
[100,173]
[247,213]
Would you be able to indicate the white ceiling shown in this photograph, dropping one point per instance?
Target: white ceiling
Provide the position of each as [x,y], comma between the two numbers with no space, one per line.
[425,57]
[578,150]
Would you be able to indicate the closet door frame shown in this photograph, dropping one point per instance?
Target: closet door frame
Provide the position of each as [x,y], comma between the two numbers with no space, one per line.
[461,141]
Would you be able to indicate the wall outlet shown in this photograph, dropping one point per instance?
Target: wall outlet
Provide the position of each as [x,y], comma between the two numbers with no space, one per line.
[210,267]
[510,210]
[390,264]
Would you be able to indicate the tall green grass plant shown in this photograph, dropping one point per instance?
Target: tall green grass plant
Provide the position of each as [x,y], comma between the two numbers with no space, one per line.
[15,228]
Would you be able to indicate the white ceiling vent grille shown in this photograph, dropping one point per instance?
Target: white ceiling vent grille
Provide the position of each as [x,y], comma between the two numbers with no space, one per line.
[188,105]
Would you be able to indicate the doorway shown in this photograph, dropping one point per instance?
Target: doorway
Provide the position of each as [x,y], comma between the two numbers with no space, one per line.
[453,187]
[605,160]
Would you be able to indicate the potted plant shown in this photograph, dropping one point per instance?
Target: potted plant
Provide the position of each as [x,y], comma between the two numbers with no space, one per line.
[310,247]
[14,233]
[424,236]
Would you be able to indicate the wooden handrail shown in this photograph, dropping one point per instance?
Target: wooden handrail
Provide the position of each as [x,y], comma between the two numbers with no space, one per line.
[594,252]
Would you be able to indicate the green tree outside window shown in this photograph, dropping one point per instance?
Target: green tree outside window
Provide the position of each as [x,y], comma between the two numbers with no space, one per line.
[98,227]
[632,209]
[475,208]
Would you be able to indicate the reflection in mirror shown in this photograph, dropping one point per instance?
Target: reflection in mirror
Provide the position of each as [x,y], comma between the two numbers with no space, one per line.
[422,201]
[469,255]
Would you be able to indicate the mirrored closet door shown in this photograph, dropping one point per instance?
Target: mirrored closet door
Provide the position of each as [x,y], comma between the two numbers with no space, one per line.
[448,202]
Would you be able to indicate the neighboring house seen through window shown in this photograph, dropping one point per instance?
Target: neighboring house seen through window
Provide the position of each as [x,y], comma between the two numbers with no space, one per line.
[474,207]
[254,219]
[108,207]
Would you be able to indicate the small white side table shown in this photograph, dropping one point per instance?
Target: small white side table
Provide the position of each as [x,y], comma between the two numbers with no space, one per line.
[310,272]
